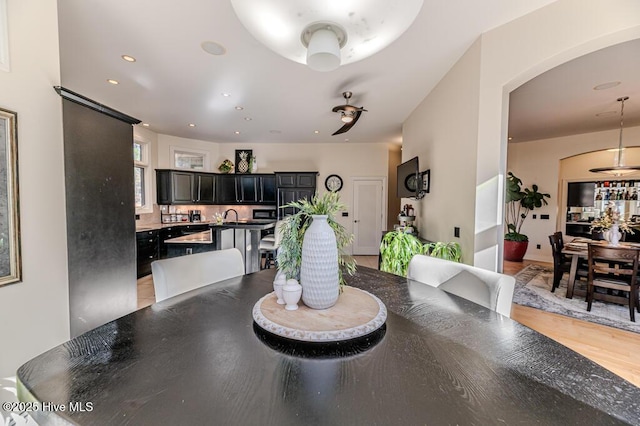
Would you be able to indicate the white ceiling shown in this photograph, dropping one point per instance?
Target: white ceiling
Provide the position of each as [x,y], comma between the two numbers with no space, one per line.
[562,101]
[174,82]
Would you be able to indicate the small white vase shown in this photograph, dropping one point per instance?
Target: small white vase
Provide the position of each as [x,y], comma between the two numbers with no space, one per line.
[614,235]
[319,267]
[291,293]
[278,285]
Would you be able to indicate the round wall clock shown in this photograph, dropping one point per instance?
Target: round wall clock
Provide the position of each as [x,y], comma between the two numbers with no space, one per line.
[333,183]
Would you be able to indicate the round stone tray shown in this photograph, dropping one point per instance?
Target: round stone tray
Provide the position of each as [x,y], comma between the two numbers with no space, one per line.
[357,313]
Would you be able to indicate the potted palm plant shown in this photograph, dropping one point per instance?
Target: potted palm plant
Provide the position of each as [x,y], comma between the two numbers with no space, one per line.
[519,202]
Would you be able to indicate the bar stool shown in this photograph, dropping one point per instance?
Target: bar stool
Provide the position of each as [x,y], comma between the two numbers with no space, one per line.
[268,247]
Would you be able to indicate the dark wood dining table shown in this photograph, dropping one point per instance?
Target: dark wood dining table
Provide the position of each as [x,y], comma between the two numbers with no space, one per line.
[578,249]
[199,358]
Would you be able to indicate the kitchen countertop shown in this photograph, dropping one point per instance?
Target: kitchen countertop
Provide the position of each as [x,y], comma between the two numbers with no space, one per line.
[259,224]
[203,237]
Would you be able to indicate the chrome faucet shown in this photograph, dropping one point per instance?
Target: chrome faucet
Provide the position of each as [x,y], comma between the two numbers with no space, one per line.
[226,212]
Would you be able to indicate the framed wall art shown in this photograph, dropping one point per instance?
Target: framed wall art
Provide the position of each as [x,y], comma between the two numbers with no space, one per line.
[244,159]
[10,262]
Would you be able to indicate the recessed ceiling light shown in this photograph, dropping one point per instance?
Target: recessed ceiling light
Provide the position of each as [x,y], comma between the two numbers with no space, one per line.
[213,48]
[237,132]
[606,113]
[239,108]
[226,95]
[316,131]
[112,81]
[248,119]
[128,58]
[608,85]
[192,125]
[510,138]
[145,124]
[346,140]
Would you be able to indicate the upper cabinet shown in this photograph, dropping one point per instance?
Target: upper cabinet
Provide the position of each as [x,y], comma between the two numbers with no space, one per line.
[183,187]
[294,186]
[175,187]
[247,189]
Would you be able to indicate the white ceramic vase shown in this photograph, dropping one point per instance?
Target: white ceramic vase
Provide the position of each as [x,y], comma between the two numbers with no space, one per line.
[319,267]
[613,235]
[278,284]
[291,293]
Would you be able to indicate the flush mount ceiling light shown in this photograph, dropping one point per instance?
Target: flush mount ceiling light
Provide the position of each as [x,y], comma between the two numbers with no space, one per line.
[325,34]
[618,169]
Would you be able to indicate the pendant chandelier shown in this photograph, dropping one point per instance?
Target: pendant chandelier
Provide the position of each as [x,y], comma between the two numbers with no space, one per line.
[618,169]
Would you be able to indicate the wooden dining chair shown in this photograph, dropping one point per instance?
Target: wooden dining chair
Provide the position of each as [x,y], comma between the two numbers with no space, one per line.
[562,262]
[614,268]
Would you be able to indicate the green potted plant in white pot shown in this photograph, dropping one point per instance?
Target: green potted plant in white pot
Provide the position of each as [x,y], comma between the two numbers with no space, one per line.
[519,202]
[319,276]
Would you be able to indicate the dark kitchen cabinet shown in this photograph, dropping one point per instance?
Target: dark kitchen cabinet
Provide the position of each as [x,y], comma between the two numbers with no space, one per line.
[227,189]
[293,186]
[205,188]
[296,179]
[268,189]
[174,187]
[165,234]
[246,189]
[178,187]
[147,250]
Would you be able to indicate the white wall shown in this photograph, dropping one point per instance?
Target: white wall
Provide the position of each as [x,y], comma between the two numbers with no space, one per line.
[551,163]
[433,133]
[34,314]
[509,56]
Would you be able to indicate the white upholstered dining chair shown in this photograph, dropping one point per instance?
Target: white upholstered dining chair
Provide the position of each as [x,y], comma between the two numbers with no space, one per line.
[180,274]
[487,288]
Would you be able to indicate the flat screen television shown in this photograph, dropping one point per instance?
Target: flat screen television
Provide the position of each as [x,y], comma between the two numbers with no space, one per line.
[412,183]
[409,185]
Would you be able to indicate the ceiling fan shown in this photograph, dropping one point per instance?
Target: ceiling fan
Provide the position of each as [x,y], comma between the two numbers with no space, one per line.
[349,114]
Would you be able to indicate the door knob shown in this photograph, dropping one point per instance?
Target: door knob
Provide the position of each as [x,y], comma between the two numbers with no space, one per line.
[356,221]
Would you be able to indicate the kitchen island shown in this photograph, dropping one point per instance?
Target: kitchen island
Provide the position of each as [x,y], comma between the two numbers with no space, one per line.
[199,242]
[244,234]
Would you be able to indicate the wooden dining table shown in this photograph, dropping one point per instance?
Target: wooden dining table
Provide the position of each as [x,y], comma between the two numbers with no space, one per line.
[578,249]
[199,358]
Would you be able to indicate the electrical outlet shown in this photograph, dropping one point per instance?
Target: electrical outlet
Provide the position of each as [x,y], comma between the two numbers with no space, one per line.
[544,216]
[345,214]
[456,232]
[535,216]
[538,246]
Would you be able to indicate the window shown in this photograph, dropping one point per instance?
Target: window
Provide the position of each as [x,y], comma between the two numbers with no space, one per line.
[141,175]
[189,159]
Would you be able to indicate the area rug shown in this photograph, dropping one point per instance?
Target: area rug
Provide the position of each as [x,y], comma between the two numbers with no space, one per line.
[533,288]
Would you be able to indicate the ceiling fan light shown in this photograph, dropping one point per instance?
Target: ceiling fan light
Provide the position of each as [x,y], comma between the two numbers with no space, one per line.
[347,117]
[323,53]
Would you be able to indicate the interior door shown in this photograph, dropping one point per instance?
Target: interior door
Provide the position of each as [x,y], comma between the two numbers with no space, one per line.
[368,215]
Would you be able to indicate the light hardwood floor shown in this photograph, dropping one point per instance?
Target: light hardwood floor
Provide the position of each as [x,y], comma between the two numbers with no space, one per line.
[614,349]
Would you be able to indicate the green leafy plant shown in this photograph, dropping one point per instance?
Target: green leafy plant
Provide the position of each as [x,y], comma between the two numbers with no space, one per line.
[519,202]
[295,226]
[448,251]
[396,250]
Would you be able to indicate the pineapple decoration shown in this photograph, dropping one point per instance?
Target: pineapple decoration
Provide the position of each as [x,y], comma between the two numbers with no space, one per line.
[243,164]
